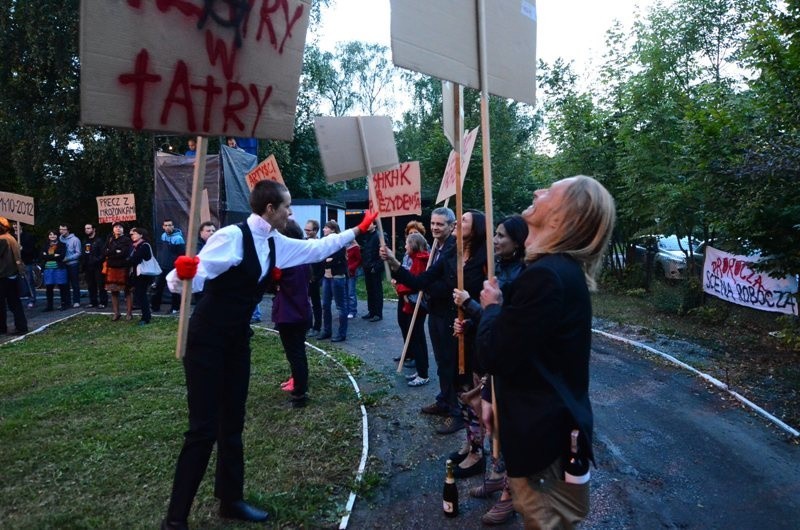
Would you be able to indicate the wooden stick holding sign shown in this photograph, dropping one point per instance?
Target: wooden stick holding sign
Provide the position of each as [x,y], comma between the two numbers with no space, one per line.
[457,137]
[372,196]
[191,243]
[487,186]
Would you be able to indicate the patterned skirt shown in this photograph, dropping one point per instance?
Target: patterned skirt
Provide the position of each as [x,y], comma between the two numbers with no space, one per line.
[116,279]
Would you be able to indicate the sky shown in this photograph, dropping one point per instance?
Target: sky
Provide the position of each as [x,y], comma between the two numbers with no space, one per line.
[572,29]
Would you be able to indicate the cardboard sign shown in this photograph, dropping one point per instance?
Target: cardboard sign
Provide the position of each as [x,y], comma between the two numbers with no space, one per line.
[398,191]
[441,39]
[193,67]
[448,186]
[114,208]
[732,278]
[342,150]
[17,207]
[266,170]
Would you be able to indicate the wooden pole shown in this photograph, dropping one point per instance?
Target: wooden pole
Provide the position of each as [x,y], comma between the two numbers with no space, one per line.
[487,183]
[372,194]
[459,133]
[191,242]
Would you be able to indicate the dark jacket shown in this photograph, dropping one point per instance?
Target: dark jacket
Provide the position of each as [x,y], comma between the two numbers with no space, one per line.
[29,250]
[170,246]
[140,253]
[337,263]
[117,251]
[370,252]
[57,258]
[94,252]
[537,347]
[291,304]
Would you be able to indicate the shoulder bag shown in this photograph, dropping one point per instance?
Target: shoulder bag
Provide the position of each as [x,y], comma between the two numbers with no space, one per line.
[148,267]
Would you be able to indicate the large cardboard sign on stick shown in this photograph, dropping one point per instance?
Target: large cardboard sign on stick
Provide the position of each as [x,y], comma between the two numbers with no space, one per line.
[398,191]
[733,279]
[116,208]
[424,33]
[341,150]
[189,66]
[448,186]
[266,170]
[17,207]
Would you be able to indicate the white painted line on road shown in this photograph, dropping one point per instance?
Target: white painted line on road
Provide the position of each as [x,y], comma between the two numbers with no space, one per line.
[716,382]
[42,328]
[364,431]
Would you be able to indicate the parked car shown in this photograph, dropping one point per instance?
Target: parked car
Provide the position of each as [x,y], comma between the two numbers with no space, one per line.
[670,255]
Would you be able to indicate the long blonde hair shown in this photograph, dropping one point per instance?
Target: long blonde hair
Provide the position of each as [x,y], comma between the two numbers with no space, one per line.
[587,216]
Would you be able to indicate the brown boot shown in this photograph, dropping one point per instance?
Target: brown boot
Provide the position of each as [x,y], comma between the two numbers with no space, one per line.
[499,514]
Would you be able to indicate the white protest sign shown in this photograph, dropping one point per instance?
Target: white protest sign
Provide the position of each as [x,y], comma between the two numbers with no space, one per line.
[266,170]
[116,208]
[191,66]
[448,186]
[733,279]
[440,38]
[398,191]
[17,207]
[342,151]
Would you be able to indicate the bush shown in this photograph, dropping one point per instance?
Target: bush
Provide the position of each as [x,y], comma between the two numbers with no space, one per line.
[789,334]
[677,298]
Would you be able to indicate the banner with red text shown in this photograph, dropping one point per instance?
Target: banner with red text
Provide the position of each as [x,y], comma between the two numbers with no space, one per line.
[193,66]
[732,278]
[398,191]
[116,208]
[17,207]
[266,170]
[448,186]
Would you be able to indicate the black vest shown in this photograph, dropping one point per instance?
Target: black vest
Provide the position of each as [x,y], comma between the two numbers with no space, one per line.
[232,296]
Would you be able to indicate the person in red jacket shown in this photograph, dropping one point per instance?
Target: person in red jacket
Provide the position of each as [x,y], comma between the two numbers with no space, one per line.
[417,252]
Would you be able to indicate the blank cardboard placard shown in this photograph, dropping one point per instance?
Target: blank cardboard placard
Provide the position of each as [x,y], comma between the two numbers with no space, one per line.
[440,38]
[193,67]
[340,146]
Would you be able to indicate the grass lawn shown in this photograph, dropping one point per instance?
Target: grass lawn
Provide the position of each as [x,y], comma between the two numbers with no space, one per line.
[92,415]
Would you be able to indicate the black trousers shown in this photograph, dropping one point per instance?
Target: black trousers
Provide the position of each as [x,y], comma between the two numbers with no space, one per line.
[140,285]
[96,285]
[293,338]
[158,294]
[373,282]
[445,351]
[217,369]
[9,299]
[314,292]
[417,345]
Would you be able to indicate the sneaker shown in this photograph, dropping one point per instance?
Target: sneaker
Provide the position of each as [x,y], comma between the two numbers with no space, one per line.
[312,333]
[500,513]
[76,305]
[489,486]
[101,306]
[451,424]
[175,311]
[411,377]
[436,409]
[351,316]
[418,381]
[30,305]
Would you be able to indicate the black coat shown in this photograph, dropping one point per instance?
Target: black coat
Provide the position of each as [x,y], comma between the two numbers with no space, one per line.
[537,347]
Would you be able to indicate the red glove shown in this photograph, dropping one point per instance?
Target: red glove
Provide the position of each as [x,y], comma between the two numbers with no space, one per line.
[186,267]
[369,217]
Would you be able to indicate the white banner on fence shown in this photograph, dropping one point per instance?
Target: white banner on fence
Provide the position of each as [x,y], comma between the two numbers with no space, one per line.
[732,278]
[17,207]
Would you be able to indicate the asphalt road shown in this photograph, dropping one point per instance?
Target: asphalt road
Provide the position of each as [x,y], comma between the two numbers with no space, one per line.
[672,452]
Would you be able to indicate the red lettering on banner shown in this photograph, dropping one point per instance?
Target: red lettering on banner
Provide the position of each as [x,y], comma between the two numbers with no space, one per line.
[216,49]
[138,78]
[180,93]
[211,91]
[230,110]
[260,102]
[266,20]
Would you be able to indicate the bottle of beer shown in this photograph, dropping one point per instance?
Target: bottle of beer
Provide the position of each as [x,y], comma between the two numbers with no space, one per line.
[450,493]
[576,471]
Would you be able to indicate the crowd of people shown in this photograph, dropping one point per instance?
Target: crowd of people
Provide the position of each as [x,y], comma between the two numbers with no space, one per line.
[515,345]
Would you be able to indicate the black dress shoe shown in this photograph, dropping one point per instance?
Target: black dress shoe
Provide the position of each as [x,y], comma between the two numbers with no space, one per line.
[323,336]
[475,469]
[375,318]
[366,317]
[298,402]
[242,511]
[166,524]
[338,339]
[457,457]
